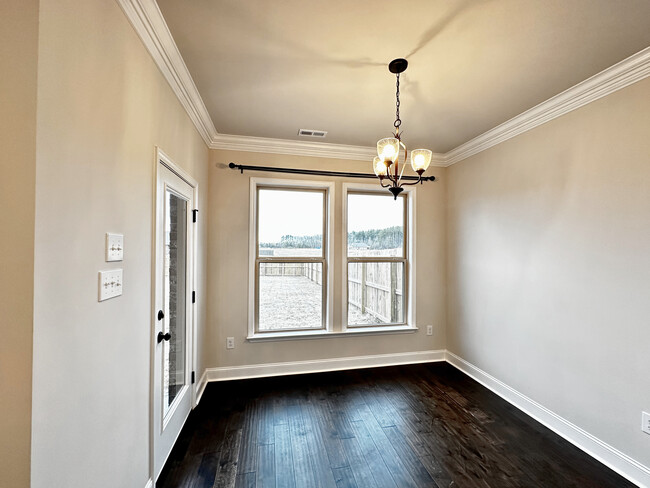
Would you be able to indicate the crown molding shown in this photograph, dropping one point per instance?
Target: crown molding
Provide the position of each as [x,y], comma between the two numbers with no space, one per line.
[286,146]
[620,75]
[147,20]
[301,148]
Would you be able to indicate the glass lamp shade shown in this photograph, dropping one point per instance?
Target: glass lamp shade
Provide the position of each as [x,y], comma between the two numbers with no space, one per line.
[388,149]
[380,167]
[420,160]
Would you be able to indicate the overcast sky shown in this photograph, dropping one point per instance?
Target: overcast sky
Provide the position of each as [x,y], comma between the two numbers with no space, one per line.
[300,213]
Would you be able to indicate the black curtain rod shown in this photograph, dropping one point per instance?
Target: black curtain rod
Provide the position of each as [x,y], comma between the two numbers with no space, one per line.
[295,171]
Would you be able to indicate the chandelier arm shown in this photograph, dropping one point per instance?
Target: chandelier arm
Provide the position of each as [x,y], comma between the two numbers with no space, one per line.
[384,186]
[400,175]
[404,164]
[414,182]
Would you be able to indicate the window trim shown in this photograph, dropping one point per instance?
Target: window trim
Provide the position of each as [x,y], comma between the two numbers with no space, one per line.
[409,259]
[327,259]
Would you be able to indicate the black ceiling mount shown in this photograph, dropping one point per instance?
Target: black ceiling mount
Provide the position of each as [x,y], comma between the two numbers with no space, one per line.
[398,65]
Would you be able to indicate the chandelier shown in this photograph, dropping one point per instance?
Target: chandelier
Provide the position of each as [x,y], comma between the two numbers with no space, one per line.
[386,163]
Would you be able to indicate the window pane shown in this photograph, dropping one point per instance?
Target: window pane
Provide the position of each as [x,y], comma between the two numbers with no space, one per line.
[290,296]
[375,293]
[174,297]
[375,225]
[290,223]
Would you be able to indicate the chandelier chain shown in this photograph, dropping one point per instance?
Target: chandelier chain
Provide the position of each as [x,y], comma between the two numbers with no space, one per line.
[398,121]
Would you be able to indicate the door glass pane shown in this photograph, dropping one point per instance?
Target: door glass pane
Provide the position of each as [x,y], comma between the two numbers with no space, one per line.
[174,297]
[375,225]
[290,223]
[291,296]
[375,293]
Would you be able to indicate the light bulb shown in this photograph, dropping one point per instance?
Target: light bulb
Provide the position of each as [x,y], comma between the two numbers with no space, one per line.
[379,166]
[387,149]
[388,152]
[420,160]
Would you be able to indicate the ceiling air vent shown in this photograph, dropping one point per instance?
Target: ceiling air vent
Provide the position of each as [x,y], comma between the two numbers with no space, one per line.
[312,133]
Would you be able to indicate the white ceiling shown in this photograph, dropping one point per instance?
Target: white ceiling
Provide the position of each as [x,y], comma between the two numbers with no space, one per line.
[268,68]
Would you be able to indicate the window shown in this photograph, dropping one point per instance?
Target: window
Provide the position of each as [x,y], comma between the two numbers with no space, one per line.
[291,258]
[376,259]
[294,240]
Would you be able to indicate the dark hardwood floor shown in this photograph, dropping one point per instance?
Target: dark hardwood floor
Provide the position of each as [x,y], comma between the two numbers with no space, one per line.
[408,426]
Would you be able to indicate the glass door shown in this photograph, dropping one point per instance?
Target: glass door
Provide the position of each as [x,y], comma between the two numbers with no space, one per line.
[174,291]
[172,398]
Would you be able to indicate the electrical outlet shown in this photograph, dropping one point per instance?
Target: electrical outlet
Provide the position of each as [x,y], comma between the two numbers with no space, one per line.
[110,284]
[429,329]
[645,422]
[230,342]
[114,247]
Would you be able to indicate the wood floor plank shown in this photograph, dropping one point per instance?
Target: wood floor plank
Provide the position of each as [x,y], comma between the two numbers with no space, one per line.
[228,460]
[344,478]
[303,469]
[284,472]
[206,471]
[321,419]
[266,466]
[248,449]
[415,468]
[395,466]
[363,468]
[245,480]
[317,449]
[417,425]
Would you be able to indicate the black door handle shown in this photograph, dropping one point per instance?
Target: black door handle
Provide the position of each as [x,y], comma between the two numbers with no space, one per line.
[161,315]
[163,337]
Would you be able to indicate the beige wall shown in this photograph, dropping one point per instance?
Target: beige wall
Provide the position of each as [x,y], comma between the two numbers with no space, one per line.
[549,265]
[228,267]
[103,107]
[18,61]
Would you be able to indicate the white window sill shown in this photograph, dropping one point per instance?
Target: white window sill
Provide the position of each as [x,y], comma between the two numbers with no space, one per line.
[323,334]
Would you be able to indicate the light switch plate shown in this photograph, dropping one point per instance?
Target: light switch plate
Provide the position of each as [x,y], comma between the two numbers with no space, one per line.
[645,422]
[110,284]
[114,247]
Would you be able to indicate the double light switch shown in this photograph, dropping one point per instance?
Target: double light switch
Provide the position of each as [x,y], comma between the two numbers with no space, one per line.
[110,281]
[114,247]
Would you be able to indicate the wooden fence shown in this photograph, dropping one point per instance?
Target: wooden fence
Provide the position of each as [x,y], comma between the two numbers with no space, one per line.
[373,288]
[376,289]
[313,271]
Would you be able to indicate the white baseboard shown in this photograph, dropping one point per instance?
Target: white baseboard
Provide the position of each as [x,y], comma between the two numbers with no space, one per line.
[149,484]
[603,452]
[200,387]
[321,365]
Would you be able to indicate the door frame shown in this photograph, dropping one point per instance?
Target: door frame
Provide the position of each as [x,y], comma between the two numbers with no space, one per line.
[162,159]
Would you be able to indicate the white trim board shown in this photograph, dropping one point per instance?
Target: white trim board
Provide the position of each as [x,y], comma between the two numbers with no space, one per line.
[596,448]
[200,387]
[322,365]
[630,70]
[285,146]
[148,22]
[149,484]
